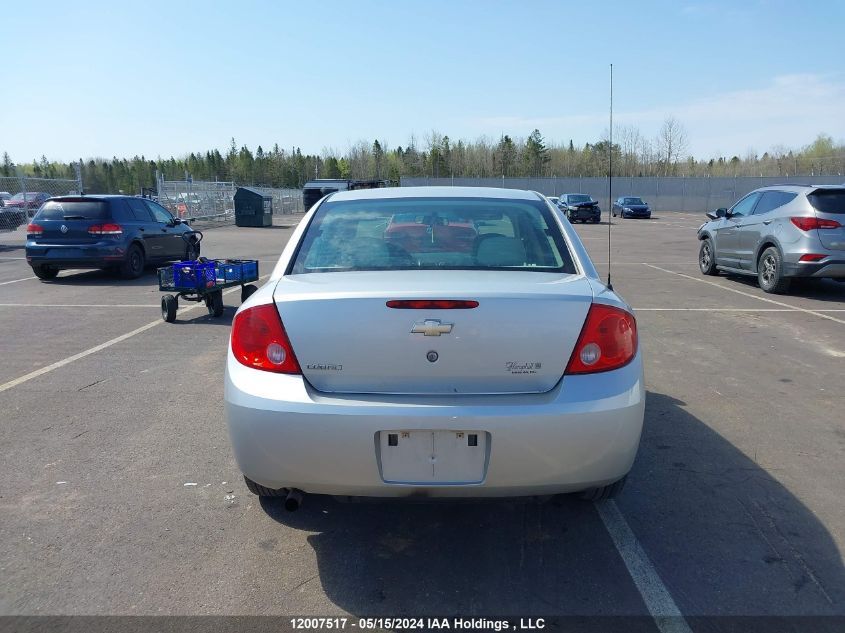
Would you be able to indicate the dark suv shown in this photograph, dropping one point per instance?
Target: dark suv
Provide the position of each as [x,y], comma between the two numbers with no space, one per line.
[580,206]
[120,232]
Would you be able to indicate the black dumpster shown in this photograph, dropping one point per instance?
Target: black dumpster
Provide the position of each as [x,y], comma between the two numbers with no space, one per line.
[253,208]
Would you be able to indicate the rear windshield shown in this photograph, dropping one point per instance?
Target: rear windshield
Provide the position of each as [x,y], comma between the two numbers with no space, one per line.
[828,200]
[580,198]
[433,234]
[74,210]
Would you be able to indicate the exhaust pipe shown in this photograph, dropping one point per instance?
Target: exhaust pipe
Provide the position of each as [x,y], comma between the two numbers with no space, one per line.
[293,500]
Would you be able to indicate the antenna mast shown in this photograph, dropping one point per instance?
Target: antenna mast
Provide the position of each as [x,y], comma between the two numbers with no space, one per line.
[610,181]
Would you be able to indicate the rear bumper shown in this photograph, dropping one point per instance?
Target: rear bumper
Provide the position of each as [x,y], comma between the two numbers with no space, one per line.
[75,256]
[834,268]
[583,433]
[585,214]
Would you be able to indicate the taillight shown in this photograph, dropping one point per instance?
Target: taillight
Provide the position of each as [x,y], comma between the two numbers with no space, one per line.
[105,229]
[608,341]
[811,257]
[808,224]
[34,230]
[259,341]
[432,304]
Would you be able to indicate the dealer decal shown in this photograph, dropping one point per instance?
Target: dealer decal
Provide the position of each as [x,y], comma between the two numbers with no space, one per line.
[518,367]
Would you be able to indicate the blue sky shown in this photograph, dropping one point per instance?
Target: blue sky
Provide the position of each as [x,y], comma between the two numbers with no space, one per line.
[83,79]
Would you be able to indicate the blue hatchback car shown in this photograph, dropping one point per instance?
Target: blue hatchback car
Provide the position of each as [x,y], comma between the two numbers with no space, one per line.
[119,232]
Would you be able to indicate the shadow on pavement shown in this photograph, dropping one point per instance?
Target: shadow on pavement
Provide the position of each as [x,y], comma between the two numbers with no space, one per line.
[99,277]
[818,289]
[724,535]
[201,315]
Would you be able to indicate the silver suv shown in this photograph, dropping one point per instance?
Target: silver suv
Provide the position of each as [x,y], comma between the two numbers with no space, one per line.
[778,233]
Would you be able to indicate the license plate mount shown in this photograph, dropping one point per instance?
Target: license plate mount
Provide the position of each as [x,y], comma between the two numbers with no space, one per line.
[442,457]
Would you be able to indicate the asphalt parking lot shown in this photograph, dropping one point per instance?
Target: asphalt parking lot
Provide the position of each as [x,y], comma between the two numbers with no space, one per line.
[119,493]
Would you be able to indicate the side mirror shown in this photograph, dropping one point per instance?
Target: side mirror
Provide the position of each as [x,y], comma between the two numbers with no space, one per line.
[175,222]
[718,213]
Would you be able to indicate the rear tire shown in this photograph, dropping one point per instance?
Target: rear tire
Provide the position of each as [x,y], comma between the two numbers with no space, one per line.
[169,306]
[133,266]
[604,492]
[45,273]
[261,491]
[214,303]
[770,272]
[707,258]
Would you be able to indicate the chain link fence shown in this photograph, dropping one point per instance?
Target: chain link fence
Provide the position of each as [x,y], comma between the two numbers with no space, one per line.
[207,203]
[666,194]
[285,201]
[204,203]
[21,196]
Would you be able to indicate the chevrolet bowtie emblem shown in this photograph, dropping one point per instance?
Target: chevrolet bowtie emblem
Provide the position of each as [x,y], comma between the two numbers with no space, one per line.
[431,327]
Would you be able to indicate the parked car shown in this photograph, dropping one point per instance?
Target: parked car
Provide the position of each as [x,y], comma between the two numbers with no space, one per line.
[778,233]
[630,207]
[554,200]
[120,232]
[365,369]
[580,207]
[10,219]
[29,201]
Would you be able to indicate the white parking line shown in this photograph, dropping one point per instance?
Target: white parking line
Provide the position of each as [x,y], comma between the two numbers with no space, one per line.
[14,281]
[78,305]
[748,294]
[656,596]
[726,310]
[97,348]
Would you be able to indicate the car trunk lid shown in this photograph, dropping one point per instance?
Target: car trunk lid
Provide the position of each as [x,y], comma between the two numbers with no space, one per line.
[518,339]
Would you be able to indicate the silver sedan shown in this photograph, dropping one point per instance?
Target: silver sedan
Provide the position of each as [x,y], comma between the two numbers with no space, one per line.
[434,341]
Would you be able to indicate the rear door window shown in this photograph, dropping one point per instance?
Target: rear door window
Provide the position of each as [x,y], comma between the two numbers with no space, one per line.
[828,200]
[771,200]
[74,210]
[140,213]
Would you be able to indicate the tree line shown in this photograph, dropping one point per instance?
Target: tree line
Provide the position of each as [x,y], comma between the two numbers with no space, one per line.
[438,155]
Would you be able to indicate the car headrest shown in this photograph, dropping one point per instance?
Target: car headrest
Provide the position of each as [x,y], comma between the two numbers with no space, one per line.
[500,251]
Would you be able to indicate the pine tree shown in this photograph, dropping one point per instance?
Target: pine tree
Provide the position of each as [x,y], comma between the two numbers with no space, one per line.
[536,153]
